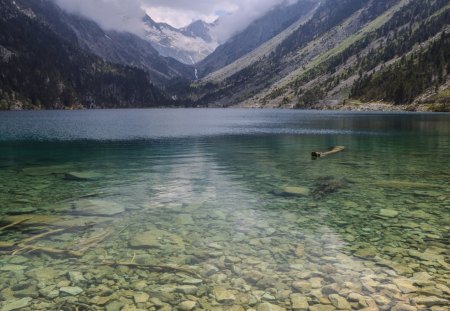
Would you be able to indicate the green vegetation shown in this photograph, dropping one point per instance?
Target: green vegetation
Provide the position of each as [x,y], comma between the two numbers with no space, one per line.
[40,69]
[440,101]
[397,36]
[402,82]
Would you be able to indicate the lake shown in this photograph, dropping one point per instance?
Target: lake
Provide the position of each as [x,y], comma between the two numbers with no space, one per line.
[196,209]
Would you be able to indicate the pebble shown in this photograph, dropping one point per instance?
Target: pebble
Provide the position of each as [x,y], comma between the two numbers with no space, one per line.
[187,289]
[320,307]
[49,292]
[101,300]
[339,302]
[114,306]
[140,297]
[269,307]
[71,290]
[316,282]
[13,268]
[76,277]
[389,213]
[16,304]
[300,191]
[97,208]
[223,295]
[403,307]
[430,301]
[187,305]
[192,281]
[299,302]
[405,285]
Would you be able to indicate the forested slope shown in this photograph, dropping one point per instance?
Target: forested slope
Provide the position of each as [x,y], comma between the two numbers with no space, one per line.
[40,69]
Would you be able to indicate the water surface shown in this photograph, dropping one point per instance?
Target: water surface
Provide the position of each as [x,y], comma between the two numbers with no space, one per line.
[224,209]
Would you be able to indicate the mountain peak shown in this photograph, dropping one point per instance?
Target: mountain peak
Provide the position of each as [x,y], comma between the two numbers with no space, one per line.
[189,45]
[199,29]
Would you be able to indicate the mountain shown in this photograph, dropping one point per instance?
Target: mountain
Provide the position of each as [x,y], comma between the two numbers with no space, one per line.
[117,47]
[42,68]
[338,43]
[258,32]
[409,77]
[188,45]
[199,29]
[302,54]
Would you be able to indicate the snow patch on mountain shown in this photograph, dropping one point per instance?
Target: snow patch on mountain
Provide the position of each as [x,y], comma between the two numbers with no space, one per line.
[188,45]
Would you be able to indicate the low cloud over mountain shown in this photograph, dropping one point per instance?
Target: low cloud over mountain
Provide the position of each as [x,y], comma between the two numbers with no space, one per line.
[119,15]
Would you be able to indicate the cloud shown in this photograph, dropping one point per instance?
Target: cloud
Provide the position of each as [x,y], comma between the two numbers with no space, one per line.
[126,15]
[109,14]
[247,11]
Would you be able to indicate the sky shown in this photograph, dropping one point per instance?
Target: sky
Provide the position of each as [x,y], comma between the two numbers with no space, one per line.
[126,15]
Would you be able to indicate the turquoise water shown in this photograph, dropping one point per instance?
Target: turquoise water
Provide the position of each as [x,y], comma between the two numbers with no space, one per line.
[224,210]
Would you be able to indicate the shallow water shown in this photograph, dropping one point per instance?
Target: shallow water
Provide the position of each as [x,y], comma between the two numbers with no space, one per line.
[224,210]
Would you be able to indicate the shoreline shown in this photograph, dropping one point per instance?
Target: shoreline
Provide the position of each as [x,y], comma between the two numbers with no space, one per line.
[349,106]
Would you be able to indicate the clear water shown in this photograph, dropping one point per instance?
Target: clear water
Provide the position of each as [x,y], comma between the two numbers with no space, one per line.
[224,210]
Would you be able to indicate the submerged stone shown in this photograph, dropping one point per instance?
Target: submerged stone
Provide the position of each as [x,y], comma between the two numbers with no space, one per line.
[406,286]
[320,307]
[187,289]
[114,306]
[339,302]
[187,305]
[13,268]
[368,252]
[223,295]
[192,281]
[156,239]
[97,208]
[82,176]
[76,277]
[269,307]
[101,300]
[403,307]
[43,274]
[299,191]
[140,297]
[10,305]
[430,301]
[71,290]
[388,213]
[49,292]
[299,302]
[184,219]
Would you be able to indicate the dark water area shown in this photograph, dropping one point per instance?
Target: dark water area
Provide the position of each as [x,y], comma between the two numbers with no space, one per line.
[196,209]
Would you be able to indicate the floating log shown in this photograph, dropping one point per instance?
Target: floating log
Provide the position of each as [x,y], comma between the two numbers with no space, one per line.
[321,154]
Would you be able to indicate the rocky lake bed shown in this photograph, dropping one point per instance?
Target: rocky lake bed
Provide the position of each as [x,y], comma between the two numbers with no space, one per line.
[336,252]
[239,222]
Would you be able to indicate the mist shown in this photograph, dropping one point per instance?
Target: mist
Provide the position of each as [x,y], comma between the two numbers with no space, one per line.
[249,11]
[126,16]
[119,15]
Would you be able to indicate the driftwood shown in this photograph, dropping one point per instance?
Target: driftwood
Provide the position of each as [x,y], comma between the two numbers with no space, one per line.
[15,223]
[321,154]
[47,250]
[77,251]
[158,268]
[88,243]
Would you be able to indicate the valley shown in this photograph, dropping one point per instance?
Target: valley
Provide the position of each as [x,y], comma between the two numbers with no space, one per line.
[304,54]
